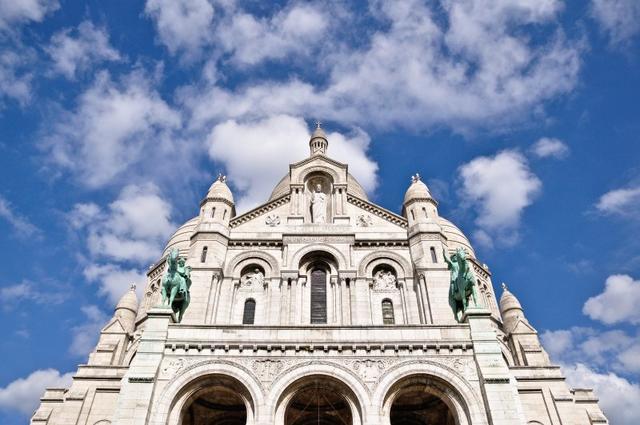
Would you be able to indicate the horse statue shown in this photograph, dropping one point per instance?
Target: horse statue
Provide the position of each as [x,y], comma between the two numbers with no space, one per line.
[462,284]
[175,284]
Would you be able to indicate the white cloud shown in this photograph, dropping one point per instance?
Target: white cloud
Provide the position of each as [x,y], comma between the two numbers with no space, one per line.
[133,229]
[83,214]
[114,127]
[624,202]
[27,291]
[114,280]
[14,12]
[500,188]
[550,148]
[21,225]
[15,77]
[611,349]
[617,396]
[24,394]
[256,154]
[252,40]
[618,303]
[620,19]
[85,336]
[479,70]
[182,24]
[72,54]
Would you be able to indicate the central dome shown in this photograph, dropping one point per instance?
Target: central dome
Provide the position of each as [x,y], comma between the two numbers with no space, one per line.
[353,187]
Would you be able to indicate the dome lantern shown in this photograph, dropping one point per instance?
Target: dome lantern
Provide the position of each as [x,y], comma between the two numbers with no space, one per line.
[419,206]
[318,143]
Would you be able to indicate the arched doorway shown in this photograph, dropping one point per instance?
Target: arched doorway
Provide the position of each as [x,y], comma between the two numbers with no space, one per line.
[319,400]
[421,400]
[219,401]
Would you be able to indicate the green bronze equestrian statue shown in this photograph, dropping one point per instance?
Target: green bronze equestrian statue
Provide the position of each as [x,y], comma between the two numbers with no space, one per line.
[462,284]
[176,284]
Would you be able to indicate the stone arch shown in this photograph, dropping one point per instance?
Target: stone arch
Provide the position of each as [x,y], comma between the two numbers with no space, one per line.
[452,388]
[302,177]
[285,386]
[402,267]
[266,260]
[322,248]
[169,405]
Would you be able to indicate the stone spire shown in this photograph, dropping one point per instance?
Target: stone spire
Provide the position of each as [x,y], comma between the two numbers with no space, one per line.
[318,143]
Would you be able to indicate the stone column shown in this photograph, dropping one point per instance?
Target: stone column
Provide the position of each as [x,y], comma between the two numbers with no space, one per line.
[499,388]
[138,383]
[403,300]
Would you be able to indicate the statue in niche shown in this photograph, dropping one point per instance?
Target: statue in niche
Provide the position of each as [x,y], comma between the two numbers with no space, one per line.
[384,279]
[255,279]
[319,205]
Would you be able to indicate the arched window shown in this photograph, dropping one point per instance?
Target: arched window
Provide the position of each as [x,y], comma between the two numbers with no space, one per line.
[249,314]
[213,212]
[224,214]
[388,317]
[434,257]
[318,296]
[203,255]
[413,215]
[424,210]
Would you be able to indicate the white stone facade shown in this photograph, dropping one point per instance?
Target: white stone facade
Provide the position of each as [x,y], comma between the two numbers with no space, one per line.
[354,305]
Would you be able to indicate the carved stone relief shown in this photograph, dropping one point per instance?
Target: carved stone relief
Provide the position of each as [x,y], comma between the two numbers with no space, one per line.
[384,280]
[272,220]
[364,220]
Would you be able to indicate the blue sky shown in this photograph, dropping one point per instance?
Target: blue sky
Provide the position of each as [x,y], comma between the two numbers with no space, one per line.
[522,117]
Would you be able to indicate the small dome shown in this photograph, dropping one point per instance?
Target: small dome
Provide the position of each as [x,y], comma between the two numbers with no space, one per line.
[455,237]
[181,239]
[319,132]
[219,189]
[129,301]
[508,301]
[417,190]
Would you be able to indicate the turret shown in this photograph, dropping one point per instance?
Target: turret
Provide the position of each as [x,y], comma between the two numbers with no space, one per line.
[522,337]
[419,207]
[510,309]
[127,308]
[318,143]
[218,206]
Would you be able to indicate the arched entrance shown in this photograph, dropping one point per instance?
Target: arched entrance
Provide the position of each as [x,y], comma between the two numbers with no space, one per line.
[219,400]
[420,400]
[415,406]
[319,400]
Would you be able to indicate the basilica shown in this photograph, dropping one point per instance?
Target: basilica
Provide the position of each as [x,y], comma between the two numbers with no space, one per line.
[318,307]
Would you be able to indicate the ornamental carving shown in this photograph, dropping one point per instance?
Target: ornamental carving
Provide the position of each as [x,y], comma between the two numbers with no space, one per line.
[272,220]
[267,370]
[384,280]
[364,220]
[254,279]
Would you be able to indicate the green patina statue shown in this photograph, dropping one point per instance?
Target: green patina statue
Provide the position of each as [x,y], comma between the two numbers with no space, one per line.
[462,284]
[176,283]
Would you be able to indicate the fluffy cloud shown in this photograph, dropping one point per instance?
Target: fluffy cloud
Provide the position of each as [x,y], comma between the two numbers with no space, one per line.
[133,228]
[257,153]
[182,24]
[612,349]
[500,188]
[14,12]
[619,19]
[85,336]
[23,394]
[15,77]
[72,54]
[618,303]
[480,69]
[114,127]
[251,40]
[550,148]
[618,396]
[21,225]
[114,280]
[624,202]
